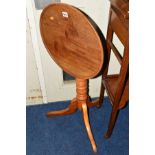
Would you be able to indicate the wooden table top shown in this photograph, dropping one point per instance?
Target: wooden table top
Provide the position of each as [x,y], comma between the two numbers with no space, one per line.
[71,40]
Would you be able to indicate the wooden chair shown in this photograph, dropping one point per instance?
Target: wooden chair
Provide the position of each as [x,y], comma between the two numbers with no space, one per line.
[117,85]
[72,41]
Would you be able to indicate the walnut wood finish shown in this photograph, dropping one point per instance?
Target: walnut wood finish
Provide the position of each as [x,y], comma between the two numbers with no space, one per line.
[117,86]
[74,44]
[71,41]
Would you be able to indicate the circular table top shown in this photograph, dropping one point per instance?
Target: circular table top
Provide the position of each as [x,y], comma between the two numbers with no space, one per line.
[71,40]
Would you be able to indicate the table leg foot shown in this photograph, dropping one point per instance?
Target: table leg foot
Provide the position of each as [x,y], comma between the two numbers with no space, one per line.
[71,109]
[93,103]
[106,136]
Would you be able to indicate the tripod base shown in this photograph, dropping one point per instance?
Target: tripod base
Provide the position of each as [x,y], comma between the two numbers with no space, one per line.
[81,102]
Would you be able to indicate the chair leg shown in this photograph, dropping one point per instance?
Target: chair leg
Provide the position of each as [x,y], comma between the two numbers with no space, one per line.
[71,109]
[113,117]
[101,98]
[87,125]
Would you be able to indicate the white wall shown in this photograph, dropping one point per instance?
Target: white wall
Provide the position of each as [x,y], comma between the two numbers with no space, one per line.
[33,91]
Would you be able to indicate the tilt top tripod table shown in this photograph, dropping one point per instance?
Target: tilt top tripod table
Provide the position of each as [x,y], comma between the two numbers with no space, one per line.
[72,41]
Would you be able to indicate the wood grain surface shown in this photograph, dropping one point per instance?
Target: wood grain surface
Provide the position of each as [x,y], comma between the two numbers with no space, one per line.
[71,40]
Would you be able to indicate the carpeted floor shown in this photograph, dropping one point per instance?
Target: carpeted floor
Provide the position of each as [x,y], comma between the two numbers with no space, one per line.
[67,135]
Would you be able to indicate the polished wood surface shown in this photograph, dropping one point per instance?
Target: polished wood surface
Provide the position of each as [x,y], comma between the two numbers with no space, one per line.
[72,41]
[117,85]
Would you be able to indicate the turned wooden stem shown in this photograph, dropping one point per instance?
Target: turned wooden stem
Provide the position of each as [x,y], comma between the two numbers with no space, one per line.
[81,89]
